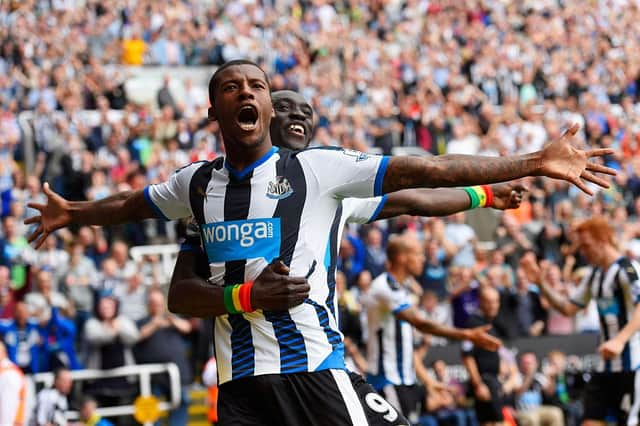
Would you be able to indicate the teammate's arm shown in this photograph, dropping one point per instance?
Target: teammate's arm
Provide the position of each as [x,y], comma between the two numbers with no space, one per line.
[477,335]
[629,279]
[192,295]
[557,160]
[614,347]
[445,201]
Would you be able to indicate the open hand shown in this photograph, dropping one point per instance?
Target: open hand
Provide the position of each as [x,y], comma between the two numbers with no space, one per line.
[53,215]
[507,195]
[479,337]
[560,160]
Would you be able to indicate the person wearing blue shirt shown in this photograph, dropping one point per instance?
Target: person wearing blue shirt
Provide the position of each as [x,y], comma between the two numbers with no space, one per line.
[24,339]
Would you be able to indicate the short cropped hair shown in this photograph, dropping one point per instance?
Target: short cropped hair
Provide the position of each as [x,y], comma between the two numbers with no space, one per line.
[213,83]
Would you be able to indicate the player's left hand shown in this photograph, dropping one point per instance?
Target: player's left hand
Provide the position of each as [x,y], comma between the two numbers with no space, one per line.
[479,337]
[507,195]
[611,349]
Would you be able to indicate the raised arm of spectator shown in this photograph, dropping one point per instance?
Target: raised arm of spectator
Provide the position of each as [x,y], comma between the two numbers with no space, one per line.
[564,305]
[477,335]
[559,160]
[445,201]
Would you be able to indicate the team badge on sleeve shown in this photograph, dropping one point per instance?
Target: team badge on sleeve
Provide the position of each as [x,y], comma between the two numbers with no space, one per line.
[359,156]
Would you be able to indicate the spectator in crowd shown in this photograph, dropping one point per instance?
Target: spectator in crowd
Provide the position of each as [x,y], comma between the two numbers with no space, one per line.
[79,284]
[88,414]
[483,366]
[162,340]
[535,386]
[375,253]
[45,298]
[15,252]
[458,406]
[52,259]
[459,239]
[110,337]
[436,312]
[24,340]
[52,404]
[531,312]
[566,385]
[13,391]
[434,277]
[132,297]
[60,335]
[465,295]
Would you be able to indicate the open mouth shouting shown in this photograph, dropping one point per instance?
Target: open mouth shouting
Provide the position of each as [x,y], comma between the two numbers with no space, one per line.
[247,118]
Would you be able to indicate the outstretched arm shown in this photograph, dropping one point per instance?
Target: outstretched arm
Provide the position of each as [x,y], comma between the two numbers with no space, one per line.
[557,160]
[127,206]
[445,201]
[478,335]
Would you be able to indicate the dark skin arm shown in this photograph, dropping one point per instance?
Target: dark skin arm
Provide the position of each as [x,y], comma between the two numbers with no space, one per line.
[123,207]
[477,335]
[443,202]
[192,295]
[558,160]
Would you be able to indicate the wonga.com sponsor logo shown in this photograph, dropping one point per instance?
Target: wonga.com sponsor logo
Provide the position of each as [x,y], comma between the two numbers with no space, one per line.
[242,239]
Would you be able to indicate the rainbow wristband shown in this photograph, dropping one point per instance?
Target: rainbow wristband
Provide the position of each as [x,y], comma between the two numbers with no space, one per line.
[237,298]
[479,196]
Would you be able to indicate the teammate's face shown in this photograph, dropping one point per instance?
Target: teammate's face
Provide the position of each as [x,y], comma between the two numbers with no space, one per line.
[293,122]
[590,247]
[415,259]
[242,106]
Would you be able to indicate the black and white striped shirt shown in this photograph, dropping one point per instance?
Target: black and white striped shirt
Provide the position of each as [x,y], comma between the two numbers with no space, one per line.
[286,205]
[616,291]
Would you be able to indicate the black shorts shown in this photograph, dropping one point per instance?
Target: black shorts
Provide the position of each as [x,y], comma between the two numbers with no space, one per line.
[409,399]
[490,411]
[323,398]
[613,394]
[379,411]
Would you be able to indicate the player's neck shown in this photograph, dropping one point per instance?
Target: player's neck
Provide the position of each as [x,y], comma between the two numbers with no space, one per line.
[398,273]
[240,157]
[610,255]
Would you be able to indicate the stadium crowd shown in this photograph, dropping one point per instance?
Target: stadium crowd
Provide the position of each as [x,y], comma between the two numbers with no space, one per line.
[451,77]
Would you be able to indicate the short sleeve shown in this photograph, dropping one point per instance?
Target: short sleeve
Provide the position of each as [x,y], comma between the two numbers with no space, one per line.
[581,295]
[363,210]
[394,300]
[170,199]
[345,173]
[630,278]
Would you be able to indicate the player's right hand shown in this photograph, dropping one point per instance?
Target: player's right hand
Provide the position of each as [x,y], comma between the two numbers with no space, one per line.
[479,337]
[53,216]
[275,290]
